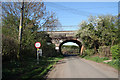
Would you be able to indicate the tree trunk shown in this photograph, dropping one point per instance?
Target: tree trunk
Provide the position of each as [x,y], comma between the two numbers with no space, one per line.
[82,48]
[112,42]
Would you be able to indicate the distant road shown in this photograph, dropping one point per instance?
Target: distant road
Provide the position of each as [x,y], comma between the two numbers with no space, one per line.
[75,67]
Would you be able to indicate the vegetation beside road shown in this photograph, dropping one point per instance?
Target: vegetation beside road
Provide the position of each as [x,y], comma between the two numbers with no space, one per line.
[114,63]
[32,30]
[100,36]
[28,68]
[21,64]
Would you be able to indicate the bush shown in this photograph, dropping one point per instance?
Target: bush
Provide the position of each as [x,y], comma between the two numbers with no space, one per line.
[9,48]
[89,52]
[115,63]
[115,52]
[105,58]
[104,51]
[49,50]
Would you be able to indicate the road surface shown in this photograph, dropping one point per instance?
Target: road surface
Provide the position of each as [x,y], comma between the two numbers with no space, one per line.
[76,67]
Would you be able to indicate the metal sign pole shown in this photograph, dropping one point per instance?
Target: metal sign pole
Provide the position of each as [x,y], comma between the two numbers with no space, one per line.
[37,55]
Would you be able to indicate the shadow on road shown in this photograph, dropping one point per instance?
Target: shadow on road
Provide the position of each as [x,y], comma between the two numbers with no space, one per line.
[68,55]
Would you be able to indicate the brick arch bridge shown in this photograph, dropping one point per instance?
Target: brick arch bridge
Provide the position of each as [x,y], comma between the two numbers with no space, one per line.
[61,37]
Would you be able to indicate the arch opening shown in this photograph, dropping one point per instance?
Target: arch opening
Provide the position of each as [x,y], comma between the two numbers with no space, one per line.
[64,51]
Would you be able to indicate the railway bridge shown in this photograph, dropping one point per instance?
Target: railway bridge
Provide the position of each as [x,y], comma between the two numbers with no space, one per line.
[61,37]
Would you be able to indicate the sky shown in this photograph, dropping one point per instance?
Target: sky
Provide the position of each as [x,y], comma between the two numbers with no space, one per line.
[71,43]
[70,14]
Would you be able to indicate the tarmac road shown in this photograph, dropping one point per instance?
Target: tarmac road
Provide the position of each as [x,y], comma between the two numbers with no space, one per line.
[76,67]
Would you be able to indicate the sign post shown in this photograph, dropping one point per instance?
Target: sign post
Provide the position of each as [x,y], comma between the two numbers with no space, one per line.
[38,45]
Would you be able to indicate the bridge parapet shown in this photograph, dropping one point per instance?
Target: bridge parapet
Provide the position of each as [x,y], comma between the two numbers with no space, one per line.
[62,34]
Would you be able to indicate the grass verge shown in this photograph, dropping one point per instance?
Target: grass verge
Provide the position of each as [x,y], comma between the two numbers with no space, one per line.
[28,69]
[113,63]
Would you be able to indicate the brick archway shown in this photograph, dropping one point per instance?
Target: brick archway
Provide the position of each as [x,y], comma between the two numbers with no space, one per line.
[74,41]
[61,37]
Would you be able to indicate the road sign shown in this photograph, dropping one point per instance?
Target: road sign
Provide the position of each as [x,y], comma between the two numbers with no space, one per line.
[37,44]
[40,52]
